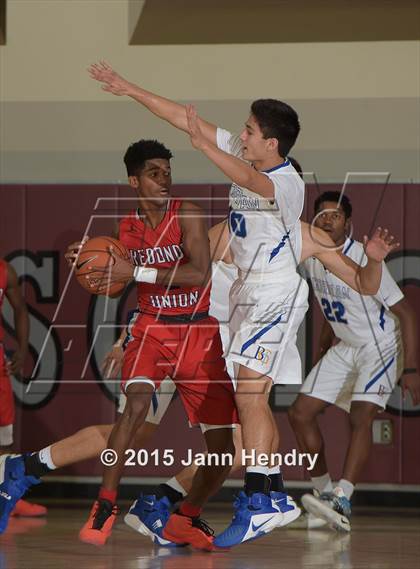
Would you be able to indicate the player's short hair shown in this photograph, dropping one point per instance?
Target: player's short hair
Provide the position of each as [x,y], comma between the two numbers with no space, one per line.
[296,166]
[277,120]
[138,152]
[334,197]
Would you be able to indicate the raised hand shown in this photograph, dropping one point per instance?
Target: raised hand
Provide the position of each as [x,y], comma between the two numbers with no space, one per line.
[194,129]
[379,245]
[112,82]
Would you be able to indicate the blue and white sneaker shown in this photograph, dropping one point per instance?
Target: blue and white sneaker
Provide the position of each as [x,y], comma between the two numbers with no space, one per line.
[148,516]
[333,507]
[254,517]
[286,506]
[13,485]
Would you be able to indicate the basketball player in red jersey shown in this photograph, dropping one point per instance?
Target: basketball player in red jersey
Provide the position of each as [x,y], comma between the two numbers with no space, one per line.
[9,287]
[173,335]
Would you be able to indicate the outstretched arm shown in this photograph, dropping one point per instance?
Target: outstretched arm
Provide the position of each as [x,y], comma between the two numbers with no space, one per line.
[237,170]
[168,110]
[366,280]
[21,320]
[197,271]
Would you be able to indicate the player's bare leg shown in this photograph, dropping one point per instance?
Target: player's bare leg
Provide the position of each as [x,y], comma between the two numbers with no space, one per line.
[328,504]
[252,401]
[362,415]
[334,506]
[99,525]
[303,419]
[84,444]
[210,477]
[91,441]
[185,476]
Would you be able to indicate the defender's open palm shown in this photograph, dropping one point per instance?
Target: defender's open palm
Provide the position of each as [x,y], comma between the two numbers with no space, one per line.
[379,245]
[112,82]
[194,129]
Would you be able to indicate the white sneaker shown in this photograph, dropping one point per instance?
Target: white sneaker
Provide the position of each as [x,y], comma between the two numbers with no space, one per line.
[333,507]
[309,522]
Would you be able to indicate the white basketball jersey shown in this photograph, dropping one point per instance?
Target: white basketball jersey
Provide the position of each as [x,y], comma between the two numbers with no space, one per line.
[265,234]
[356,319]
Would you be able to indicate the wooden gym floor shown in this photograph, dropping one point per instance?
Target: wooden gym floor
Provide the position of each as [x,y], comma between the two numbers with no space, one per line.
[379,540]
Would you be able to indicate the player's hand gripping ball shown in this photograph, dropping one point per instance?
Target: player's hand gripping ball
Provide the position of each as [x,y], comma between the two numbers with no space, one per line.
[94,264]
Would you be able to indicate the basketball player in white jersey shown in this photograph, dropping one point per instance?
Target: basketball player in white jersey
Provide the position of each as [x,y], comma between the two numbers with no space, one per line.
[359,373]
[269,299]
[266,202]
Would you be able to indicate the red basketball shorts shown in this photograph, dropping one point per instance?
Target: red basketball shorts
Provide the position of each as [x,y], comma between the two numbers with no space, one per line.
[192,355]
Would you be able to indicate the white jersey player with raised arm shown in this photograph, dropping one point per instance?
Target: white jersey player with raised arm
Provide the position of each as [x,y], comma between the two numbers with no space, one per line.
[269,299]
[367,362]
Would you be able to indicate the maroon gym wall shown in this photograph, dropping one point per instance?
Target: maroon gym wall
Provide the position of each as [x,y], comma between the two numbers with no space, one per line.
[39,221]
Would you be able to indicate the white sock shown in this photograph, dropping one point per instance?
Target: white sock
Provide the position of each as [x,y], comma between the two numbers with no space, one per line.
[258,469]
[322,483]
[274,470]
[347,487]
[45,457]
[173,483]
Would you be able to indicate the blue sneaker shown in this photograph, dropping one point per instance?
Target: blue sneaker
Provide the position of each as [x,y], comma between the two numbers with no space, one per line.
[254,517]
[287,507]
[148,516]
[13,485]
[333,507]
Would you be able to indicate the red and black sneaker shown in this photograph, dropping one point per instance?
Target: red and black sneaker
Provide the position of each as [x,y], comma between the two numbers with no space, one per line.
[184,529]
[99,525]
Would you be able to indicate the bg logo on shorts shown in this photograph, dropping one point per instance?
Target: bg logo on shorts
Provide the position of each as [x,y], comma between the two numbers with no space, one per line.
[381,390]
[262,355]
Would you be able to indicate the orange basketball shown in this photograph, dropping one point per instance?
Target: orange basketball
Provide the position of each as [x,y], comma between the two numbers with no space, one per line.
[95,253]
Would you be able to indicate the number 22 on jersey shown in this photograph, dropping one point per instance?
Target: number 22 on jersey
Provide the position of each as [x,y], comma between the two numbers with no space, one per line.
[334,311]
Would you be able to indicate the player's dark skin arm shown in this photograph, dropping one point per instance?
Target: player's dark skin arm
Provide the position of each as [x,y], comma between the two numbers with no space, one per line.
[410,380]
[21,320]
[197,271]
[196,246]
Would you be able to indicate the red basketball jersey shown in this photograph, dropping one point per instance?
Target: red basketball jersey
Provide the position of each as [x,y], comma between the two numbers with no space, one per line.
[161,248]
[3,287]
